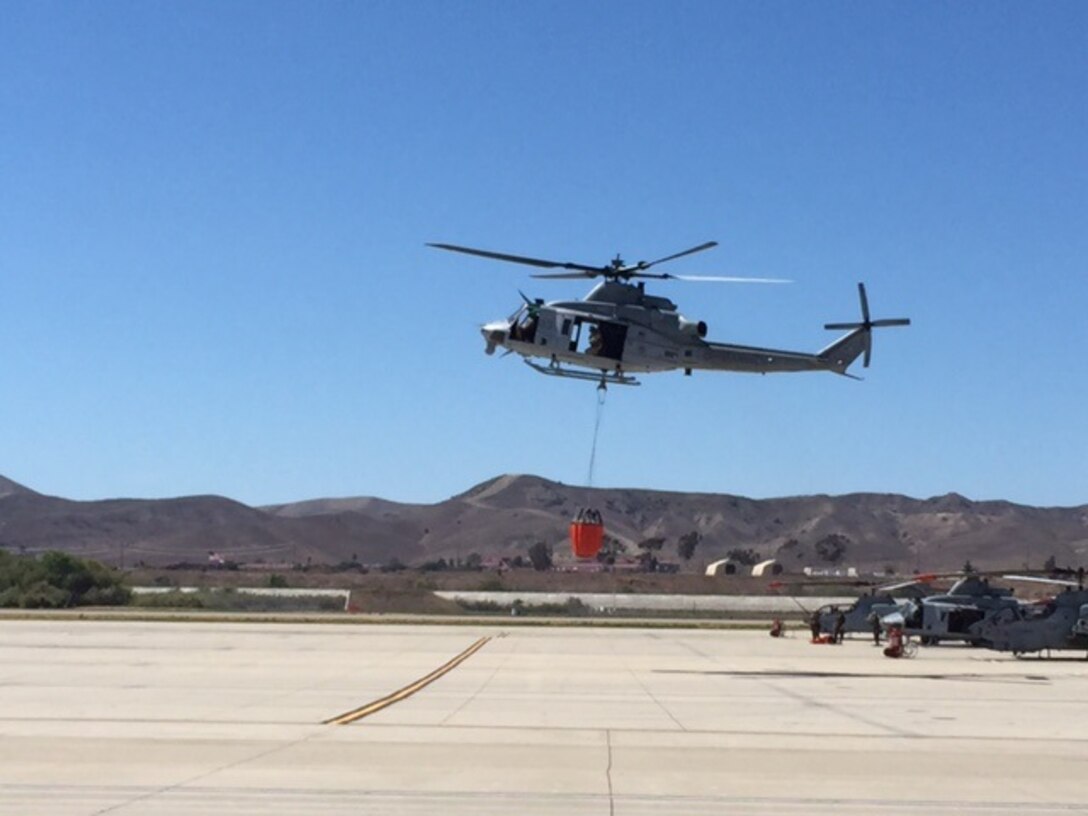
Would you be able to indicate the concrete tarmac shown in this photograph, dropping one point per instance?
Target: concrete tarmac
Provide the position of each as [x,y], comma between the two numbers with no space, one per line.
[166,719]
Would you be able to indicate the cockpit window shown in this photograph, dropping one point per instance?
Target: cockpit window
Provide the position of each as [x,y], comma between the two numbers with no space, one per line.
[523,325]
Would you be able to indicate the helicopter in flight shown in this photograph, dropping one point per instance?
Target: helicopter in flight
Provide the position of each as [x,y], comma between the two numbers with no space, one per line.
[619,330]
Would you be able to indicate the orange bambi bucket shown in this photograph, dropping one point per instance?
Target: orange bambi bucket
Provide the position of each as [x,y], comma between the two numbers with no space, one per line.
[586,534]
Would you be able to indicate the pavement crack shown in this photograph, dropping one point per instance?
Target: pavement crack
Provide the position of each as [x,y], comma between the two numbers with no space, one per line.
[187,782]
[472,698]
[816,703]
[683,644]
[661,705]
[608,774]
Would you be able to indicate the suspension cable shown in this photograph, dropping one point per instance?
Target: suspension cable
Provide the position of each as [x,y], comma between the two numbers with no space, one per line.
[601,392]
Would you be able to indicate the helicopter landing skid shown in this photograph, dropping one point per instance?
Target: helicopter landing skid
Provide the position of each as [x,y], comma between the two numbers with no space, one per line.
[604,378]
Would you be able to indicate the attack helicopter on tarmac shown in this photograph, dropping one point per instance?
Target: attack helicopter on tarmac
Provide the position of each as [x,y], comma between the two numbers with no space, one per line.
[1059,623]
[975,611]
[878,603]
[951,616]
[619,330]
[917,609]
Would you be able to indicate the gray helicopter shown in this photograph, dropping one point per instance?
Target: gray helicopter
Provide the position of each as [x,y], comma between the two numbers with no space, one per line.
[950,616]
[618,329]
[1060,623]
[877,604]
[955,614]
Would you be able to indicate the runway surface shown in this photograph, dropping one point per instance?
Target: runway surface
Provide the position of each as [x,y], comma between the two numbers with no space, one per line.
[178,718]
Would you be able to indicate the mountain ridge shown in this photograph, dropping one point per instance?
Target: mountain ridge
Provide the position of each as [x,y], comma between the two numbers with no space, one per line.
[504,515]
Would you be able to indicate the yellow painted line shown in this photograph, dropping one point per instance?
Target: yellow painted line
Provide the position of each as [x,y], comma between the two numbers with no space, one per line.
[410,689]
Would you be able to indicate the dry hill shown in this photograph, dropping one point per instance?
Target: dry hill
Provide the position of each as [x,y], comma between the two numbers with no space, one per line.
[504,516]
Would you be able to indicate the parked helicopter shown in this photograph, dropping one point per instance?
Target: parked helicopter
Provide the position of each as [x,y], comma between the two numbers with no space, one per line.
[618,329]
[1057,624]
[879,602]
[953,615]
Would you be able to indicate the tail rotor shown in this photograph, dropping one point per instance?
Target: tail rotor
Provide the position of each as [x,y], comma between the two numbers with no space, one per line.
[867,324]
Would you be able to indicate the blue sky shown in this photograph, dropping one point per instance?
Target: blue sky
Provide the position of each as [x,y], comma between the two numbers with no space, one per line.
[214,279]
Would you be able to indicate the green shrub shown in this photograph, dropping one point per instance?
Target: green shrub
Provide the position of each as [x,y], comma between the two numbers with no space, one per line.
[229,600]
[174,599]
[43,595]
[57,580]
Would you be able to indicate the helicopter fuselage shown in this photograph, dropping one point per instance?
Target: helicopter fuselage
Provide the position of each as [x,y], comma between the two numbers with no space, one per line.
[618,329]
[1060,623]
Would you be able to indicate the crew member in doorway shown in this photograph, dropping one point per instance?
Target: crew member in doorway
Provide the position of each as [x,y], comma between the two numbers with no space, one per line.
[596,342]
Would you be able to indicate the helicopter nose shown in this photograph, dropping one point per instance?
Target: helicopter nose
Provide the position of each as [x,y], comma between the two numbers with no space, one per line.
[495,334]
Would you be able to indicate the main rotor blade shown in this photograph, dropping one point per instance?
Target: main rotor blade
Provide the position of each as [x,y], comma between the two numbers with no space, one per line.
[864,302]
[868,349]
[713,278]
[898,321]
[521,259]
[899,585]
[1037,580]
[692,251]
[569,275]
